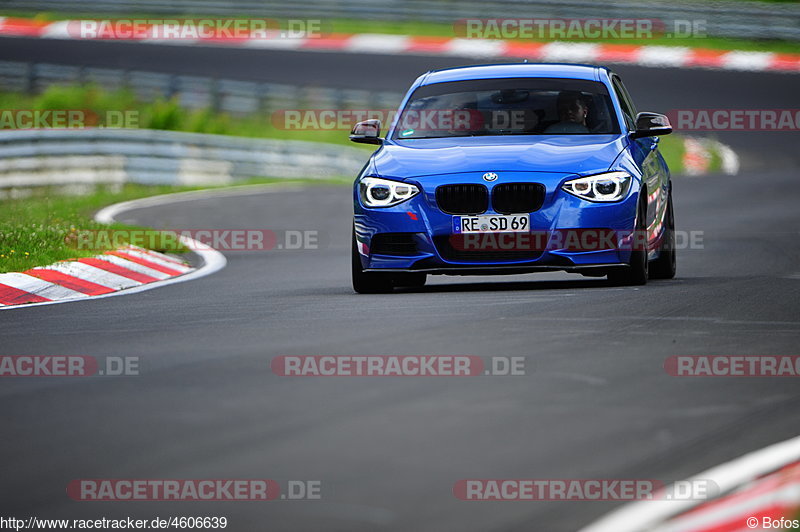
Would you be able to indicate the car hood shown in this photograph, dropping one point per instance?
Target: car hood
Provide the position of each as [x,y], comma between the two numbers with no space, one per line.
[579,154]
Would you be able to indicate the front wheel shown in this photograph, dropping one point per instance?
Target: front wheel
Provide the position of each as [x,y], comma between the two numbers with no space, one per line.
[367,282]
[665,266]
[637,271]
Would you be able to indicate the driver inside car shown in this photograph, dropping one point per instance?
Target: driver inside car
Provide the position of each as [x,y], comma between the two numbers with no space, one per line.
[572,112]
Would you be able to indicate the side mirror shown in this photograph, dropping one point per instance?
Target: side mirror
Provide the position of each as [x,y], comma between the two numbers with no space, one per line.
[651,125]
[367,132]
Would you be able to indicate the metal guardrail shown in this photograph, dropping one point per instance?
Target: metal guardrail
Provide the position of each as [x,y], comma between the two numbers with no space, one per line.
[724,18]
[94,156]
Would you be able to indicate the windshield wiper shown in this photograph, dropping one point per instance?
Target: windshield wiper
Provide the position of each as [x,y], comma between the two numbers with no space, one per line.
[473,134]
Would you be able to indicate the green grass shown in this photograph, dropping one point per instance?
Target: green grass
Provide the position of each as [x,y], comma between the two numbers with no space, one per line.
[433,29]
[163,114]
[672,149]
[48,226]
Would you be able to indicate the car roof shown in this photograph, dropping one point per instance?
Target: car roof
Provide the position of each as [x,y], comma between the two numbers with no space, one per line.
[515,70]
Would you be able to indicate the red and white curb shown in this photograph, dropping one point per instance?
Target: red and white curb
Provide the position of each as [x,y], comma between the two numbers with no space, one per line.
[93,276]
[212,260]
[759,485]
[650,56]
[699,153]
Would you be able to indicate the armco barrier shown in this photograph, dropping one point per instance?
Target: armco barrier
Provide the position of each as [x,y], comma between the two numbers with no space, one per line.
[72,157]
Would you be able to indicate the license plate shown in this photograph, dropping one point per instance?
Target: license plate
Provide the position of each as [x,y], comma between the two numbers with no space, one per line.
[492,223]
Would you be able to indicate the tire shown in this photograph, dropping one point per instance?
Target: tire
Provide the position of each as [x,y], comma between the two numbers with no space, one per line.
[637,271]
[665,266]
[410,280]
[367,282]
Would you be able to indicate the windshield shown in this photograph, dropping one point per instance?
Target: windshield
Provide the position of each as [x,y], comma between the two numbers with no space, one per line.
[507,106]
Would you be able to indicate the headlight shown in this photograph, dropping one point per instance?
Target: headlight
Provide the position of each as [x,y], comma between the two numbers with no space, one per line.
[611,186]
[377,192]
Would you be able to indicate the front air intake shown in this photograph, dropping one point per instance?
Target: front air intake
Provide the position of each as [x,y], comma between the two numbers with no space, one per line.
[462,199]
[517,198]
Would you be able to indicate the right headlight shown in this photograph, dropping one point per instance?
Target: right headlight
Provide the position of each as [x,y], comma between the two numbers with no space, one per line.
[608,186]
[377,192]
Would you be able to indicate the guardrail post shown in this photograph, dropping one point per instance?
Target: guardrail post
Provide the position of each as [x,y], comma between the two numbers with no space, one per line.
[216,95]
[262,96]
[173,87]
[30,78]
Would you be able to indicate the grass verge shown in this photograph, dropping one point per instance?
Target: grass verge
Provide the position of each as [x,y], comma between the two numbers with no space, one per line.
[672,149]
[161,113]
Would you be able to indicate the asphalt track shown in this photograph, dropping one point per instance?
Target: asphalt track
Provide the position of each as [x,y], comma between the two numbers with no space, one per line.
[595,403]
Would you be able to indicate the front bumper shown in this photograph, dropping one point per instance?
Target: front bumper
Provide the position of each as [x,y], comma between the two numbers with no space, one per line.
[420,238]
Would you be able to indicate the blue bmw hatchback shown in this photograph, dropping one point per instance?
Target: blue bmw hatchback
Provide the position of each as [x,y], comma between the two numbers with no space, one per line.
[513,168]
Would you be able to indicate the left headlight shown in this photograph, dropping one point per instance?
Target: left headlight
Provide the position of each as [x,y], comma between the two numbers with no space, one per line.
[377,192]
[610,186]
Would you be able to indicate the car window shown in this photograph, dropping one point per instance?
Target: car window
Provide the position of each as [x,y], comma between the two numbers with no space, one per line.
[507,106]
[625,102]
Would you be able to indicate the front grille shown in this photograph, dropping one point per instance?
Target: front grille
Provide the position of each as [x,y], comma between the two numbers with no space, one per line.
[462,199]
[514,198]
[399,244]
[448,248]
